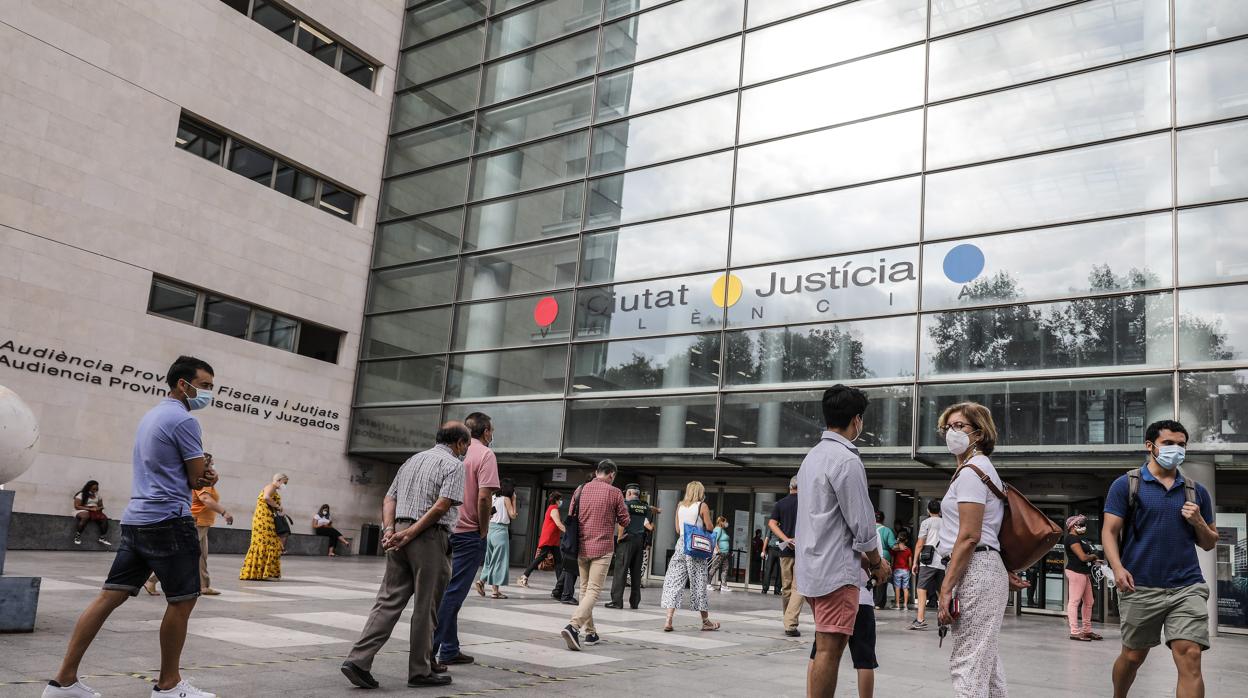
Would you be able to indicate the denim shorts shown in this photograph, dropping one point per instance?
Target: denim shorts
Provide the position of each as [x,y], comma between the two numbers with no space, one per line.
[901,578]
[169,548]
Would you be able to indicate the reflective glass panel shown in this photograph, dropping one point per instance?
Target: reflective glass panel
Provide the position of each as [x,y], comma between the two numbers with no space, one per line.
[418,238]
[440,57]
[317,44]
[666,423]
[274,18]
[543,214]
[424,191]
[619,8]
[1208,20]
[545,115]
[530,166]
[199,139]
[431,146]
[514,322]
[400,380]
[856,90]
[403,334]
[1081,334]
[524,270]
[953,15]
[664,306]
[1083,35]
[666,81]
[173,301]
[688,244]
[226,316]
[356,68]
[425,22]
[547,66]
[1082,108]
[667,190]
[539,23]
[662,363]
[876,149]
[1213,163]
[404,430]
[1100,180]
[519,427]
[665,135]
[337,202]
[273,330]
[831,353]
[1115,255]
[517,372]
[1213,244]
[765,12]
[667,29]
[795,420]
[1078,413]
[873,283]
[1213,406]
[252,163]
[1213,325]
[294,182]
[837,221]
[435,101]
[838,34]
[412,287]
[1211,83]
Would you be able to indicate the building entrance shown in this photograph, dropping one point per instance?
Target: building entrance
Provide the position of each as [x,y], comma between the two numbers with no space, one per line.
[1049,591]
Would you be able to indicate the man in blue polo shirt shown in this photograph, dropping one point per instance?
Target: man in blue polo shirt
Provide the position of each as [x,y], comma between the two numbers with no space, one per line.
[157,532]
[1155,568]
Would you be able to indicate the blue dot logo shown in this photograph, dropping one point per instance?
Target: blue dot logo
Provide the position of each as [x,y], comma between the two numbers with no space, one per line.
[964,263]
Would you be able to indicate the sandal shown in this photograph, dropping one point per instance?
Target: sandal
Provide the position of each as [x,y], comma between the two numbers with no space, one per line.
[668,627]
[1081,638]
[709,626]
[498,595]
[151,588]
[480,586]
[1093,636]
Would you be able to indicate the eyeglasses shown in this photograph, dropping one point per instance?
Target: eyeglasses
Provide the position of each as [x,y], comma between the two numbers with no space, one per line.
[956,426]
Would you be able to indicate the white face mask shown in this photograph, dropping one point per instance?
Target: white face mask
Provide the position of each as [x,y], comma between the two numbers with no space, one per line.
[957,441]
[281,486]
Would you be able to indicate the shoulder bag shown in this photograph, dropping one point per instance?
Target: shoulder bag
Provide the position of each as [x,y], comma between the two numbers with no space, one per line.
[570,541]
[1026,533]
[698,543]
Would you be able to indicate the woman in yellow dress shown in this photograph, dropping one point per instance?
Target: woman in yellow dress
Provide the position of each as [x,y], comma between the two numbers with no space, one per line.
[264,556]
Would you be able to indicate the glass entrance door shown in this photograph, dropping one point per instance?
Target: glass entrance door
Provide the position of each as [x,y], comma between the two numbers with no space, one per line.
[1048,593]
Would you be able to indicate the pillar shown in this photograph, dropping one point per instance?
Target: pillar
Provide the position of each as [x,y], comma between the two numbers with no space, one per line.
[1205,474]
[888,505]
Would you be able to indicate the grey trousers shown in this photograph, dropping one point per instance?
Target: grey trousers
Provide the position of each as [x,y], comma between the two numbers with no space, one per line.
[419,572]
[975,663]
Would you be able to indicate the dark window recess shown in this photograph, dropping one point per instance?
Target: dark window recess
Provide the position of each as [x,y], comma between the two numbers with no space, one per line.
[226,316]
[298,30]
[199,139]
[296,183]
[273,329]
[172,301]
[319,342]
[337,202]
[241,5]
[251,163]
[357,68]
[317,44]
[274,19]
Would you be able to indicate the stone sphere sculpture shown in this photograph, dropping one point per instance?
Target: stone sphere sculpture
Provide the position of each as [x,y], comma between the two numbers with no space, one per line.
[19,436]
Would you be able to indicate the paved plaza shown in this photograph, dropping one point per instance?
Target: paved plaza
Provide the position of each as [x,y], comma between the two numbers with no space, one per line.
[288,638]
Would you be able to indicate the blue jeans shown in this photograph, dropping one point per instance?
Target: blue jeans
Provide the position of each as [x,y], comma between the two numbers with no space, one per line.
[467,552]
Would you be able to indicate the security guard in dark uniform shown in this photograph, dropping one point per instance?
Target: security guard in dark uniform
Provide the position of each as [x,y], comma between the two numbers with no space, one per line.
[629,549]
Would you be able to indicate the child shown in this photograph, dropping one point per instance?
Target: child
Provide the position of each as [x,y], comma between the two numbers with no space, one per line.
[901,570]
[862,642]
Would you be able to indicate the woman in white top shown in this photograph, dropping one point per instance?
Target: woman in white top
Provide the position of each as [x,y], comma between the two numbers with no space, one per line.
[497,542]
[969,546]
[682,568]
[323,525]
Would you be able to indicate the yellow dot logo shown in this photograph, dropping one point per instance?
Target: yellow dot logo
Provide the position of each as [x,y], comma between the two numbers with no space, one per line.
[726,291]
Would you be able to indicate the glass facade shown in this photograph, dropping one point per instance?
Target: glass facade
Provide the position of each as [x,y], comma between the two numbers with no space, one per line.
[662,226]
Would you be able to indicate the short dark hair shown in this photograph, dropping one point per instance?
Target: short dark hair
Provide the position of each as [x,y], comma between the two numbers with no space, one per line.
[841,404]
[506,487]
[1154,430]
[452,433]
[606,466]
[185,369]
[554,498]
[478,423]
[933,506]
[879,516]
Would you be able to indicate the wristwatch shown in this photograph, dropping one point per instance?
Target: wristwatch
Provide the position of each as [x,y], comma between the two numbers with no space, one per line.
[387,528]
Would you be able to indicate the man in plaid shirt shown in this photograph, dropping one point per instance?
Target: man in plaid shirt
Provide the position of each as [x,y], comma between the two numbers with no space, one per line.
[598,506]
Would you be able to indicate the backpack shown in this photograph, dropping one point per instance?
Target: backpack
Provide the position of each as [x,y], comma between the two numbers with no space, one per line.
[1026,534]
[1133,500]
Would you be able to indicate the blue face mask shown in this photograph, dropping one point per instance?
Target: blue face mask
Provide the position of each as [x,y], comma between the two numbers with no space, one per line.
[202,399]
[1170,457]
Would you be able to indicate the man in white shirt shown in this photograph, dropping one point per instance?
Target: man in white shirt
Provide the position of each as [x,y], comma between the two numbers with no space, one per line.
[929,575]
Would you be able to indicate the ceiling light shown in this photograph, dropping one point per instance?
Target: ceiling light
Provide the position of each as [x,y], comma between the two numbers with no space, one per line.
[691,423]
[695,350]
[748,443]
[708,429]
[727,436]
[715,360]
[182,141]
[579,386]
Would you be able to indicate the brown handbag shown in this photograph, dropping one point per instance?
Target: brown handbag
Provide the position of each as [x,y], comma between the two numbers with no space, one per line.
[1026,533]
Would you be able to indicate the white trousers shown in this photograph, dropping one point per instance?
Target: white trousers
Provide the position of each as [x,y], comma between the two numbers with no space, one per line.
[983,593]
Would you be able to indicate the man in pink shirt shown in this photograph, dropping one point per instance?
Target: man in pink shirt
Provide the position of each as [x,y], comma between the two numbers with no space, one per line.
[467,539]
[598,506]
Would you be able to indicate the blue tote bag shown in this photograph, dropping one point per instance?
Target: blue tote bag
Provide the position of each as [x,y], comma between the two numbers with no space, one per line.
[698,543]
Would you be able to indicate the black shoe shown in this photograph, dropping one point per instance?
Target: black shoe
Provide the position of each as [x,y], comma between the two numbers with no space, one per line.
[430,680]
[459,658]
[592,639]
[572,637]
[569,602]
[614,605]
[556,595]
[793,632]
[776,594]
[436,667]
[633,607]
[358,677]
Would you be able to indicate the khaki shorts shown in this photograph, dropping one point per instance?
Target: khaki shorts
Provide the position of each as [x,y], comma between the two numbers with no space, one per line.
[1182,612]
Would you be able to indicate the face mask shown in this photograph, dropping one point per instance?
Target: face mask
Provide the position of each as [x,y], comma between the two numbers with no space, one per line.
[860,430]
[281,486]
[202,399]
[1170,457]
[957,441]
[1081,530]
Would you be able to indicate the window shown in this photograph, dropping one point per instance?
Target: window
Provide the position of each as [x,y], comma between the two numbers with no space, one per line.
[514,322]
[681,424]
[543,214]
[666,135]
[313,39]
[406,334]
[794,420]
[435,101]
[689,361]
[689,244]
[440,57]
[667,29]
[547,66]
[848,351]
[438,18]
[265,168]
[550,113]
[242,320]
[538,23]
[667,190]
[687,75]
[401,380]
[519,372]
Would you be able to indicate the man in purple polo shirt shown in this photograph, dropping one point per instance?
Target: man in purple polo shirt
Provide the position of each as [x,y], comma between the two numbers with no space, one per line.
[157,532]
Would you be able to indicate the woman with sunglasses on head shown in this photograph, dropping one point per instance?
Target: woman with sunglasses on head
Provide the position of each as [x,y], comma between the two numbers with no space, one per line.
[976,587]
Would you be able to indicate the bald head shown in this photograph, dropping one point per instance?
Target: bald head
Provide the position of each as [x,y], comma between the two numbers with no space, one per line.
[455,435]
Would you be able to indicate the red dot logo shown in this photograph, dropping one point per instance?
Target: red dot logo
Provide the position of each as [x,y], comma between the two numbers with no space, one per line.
[546,311]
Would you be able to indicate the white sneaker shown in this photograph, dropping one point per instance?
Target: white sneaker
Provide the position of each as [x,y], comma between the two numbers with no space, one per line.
[725,589]
[183,690]
[78,690]
[104,541]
